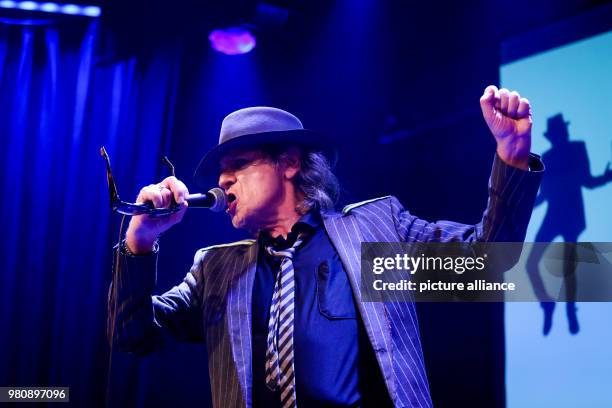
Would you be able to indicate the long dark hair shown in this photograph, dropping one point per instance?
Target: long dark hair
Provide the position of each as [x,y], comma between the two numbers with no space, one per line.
[315,180]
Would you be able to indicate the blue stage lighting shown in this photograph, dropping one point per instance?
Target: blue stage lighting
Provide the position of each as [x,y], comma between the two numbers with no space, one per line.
[48,7]
[27,5]
[71,9]
[91,11]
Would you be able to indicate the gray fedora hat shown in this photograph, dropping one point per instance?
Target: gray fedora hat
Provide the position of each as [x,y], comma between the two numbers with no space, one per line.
[258,126]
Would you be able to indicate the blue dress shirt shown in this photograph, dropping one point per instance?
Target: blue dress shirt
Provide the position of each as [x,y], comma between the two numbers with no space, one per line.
[335,365]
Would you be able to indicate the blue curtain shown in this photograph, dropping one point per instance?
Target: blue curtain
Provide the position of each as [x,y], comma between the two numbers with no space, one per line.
[58,105]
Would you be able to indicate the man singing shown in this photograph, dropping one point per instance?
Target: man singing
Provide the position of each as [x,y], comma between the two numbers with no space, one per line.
[281,314]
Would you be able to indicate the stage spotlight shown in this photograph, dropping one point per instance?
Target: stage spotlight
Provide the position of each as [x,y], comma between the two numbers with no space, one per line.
[27,5]
[91,11]
[240,38]
[71,9]
[48,7]
[232,40]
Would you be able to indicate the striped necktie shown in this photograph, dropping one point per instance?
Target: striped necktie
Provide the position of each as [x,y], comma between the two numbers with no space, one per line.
[280,371]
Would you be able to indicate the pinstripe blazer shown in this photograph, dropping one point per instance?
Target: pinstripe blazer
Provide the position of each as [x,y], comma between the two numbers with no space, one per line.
[213,303]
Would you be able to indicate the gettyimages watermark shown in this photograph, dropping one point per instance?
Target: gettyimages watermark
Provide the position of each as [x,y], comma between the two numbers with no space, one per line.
[486,272]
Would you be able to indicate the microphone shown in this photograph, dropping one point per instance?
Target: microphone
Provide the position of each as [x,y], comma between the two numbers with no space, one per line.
[214,200]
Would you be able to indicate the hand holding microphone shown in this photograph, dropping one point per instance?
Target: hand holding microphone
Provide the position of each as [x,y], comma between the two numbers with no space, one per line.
[144,230]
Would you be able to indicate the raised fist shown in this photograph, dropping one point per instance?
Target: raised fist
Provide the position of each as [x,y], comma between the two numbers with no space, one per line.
[509,119]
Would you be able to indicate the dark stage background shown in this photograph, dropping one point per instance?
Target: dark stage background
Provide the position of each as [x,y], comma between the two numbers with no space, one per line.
[396,84]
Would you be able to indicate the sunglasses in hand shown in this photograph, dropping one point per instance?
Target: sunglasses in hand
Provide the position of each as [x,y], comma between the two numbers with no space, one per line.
[126,208]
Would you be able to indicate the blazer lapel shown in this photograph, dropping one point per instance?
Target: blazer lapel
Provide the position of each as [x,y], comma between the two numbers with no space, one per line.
[239,318]
[346,237]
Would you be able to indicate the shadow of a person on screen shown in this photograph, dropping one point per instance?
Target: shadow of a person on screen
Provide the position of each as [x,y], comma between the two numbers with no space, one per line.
[567,171]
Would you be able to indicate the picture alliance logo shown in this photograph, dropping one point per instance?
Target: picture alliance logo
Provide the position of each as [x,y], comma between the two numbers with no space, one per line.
[413,264]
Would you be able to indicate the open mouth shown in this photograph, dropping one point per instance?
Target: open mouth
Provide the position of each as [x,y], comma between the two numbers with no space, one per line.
[231,203]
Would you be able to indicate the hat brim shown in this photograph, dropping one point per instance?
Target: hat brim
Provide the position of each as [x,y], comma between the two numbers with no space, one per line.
[209,167]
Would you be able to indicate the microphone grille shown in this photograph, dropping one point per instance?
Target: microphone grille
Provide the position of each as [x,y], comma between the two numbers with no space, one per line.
[220,203]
